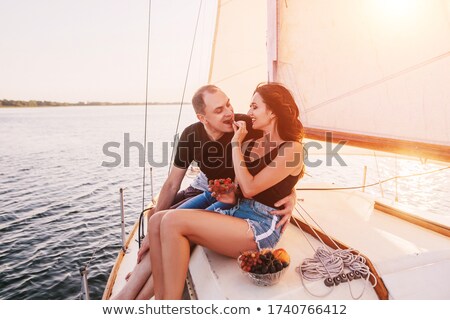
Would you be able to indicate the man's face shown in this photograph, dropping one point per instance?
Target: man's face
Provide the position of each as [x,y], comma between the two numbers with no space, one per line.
[219,114]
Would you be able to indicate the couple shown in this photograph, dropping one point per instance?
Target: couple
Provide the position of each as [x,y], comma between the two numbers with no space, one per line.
[266,171]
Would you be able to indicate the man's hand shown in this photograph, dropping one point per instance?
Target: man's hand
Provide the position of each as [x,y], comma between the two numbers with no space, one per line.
[286,213]
[223,190]
[145,246]
[229,197]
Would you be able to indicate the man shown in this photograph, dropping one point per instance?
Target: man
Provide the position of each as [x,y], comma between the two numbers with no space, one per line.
[208,142]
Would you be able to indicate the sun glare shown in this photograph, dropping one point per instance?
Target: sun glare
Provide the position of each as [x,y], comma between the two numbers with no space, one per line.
[395,8]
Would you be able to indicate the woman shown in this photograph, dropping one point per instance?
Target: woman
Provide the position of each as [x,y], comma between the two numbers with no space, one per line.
[266,172]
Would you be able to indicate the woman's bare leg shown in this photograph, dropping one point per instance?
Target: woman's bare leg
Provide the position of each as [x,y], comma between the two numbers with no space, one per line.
[155,253]
[224,234]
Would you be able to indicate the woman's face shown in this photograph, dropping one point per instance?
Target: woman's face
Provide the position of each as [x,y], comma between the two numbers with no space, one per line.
[259,113]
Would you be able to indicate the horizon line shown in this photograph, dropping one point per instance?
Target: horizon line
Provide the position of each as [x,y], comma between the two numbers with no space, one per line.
[13,102]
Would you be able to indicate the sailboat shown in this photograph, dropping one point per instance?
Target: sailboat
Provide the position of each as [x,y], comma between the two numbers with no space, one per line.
[375,74]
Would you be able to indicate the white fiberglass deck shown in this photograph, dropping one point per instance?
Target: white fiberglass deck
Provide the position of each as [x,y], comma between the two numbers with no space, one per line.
[413,262]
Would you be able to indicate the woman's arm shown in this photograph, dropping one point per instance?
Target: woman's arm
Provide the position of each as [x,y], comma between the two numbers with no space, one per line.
[288,161]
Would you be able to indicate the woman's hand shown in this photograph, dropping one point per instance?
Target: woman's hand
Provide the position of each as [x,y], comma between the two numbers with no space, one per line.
[240,131]
[285,213]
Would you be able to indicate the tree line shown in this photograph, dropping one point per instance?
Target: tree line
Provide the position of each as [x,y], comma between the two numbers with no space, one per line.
[37,103]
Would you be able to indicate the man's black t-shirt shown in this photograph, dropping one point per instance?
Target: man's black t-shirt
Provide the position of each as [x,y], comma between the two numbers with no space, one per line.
[214,158]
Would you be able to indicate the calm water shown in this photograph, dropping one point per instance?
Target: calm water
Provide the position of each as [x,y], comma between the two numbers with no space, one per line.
[59,205]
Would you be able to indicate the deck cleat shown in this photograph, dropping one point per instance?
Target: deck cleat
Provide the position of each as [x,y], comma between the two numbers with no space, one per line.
[337,280]
[344,277]
[329,282]
[350,276]
[357,275]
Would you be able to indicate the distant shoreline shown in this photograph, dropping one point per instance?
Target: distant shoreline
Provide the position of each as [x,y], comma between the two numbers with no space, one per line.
[38,104]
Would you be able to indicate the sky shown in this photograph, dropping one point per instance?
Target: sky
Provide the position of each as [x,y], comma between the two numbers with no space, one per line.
[96,50]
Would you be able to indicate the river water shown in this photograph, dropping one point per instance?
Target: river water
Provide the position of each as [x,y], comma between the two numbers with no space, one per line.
[60,199]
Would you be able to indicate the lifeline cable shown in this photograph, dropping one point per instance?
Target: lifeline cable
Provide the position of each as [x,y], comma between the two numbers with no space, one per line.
[374,184]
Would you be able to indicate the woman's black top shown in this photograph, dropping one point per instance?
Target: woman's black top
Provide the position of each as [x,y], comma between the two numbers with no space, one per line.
[276,192]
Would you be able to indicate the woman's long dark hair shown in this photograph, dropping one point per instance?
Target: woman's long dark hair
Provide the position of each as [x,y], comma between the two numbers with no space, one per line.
[281,102]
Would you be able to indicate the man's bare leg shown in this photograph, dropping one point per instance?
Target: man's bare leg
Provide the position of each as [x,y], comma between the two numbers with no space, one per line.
[137,281]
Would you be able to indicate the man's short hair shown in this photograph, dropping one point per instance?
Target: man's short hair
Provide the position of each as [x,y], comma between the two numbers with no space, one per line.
[197,100]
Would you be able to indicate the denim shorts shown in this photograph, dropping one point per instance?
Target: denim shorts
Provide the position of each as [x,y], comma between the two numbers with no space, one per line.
[259,220]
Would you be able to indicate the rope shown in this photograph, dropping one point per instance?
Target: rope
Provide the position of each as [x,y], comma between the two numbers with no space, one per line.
[376,183]
[146,99]
[185,81]
[328,264]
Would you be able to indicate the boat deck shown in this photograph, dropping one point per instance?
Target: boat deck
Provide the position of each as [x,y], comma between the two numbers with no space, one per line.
[413,262]
[404,255]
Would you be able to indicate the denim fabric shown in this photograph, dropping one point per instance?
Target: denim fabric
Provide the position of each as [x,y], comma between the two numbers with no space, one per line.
[184,195]
[259,219]
[205,201]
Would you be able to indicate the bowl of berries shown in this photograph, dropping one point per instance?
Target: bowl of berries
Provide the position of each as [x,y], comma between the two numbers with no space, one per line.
[265,267]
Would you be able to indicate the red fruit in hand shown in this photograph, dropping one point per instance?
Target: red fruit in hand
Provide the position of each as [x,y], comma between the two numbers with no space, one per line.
[220,186]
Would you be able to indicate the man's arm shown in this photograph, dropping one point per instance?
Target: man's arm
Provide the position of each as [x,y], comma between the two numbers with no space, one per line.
[289,203]
[170,188]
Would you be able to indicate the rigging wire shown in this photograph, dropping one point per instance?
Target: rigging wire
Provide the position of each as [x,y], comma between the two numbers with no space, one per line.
[86,266]
[146,100]
[376,183]
[185,83]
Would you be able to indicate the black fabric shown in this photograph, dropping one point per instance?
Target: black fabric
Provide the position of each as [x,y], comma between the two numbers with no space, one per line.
[214,158]
[276,192]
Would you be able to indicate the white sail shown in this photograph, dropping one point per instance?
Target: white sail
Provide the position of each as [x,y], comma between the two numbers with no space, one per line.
[372,68]
[378,68]
[239,60]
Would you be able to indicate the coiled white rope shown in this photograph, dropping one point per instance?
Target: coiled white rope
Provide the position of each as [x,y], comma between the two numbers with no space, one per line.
[323,265]
[328,264]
